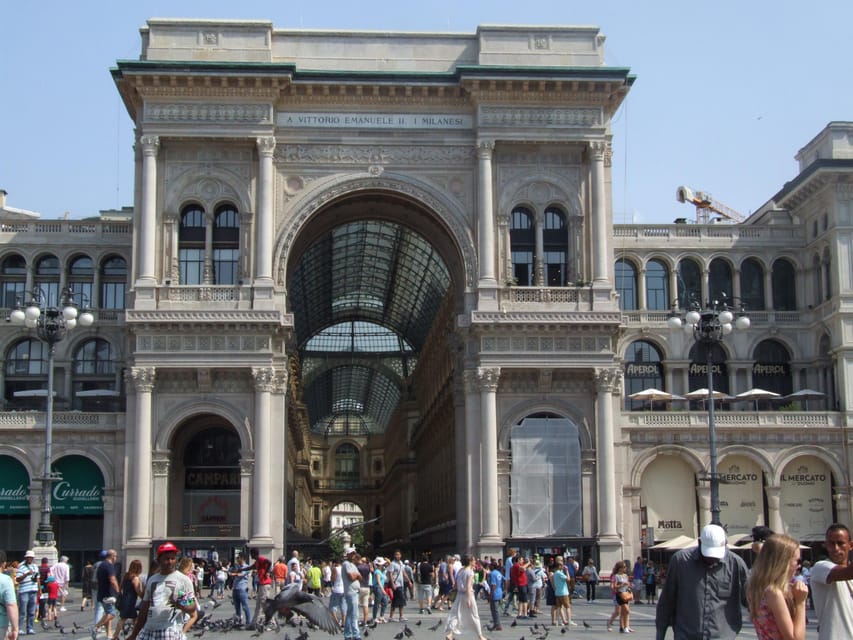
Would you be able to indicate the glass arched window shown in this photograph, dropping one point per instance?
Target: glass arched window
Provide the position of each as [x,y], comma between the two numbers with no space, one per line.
[626,285]
[347,466]
[657,286]
[26,370]
[47,279]
[522,243]
[720,280]
[14,274]
[81,277]
[784,285]
[751,285]
[94,374]
[191,245]
[643,370]
[555,244]
[113,282]
[226,245]
[689,283]
[772,367]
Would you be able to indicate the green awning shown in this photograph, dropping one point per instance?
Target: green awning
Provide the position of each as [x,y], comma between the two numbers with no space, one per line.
[14,487]
[80,492]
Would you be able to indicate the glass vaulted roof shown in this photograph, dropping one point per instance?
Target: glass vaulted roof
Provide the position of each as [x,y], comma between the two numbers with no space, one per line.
[363,296]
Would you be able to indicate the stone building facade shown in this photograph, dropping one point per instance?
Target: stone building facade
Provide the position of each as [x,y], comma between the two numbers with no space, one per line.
[382,269]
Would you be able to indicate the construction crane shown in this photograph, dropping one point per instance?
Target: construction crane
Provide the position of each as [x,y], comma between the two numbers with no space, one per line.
[704,204]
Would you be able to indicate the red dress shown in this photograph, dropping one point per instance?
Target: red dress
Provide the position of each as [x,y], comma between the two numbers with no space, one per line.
[764,622]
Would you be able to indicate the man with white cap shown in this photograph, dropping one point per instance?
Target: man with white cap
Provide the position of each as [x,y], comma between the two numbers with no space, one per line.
[704,590]
[27,578]
[352,586]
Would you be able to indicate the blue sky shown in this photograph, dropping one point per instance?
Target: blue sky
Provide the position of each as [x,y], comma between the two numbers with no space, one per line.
[726,92]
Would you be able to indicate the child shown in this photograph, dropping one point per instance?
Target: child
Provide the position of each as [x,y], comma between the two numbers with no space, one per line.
[52,588]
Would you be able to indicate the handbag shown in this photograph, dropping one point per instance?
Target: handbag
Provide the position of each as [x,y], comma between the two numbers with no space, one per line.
[624,595]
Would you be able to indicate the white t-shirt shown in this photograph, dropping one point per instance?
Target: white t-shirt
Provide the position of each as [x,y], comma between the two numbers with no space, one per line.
[833,603]
[160,591]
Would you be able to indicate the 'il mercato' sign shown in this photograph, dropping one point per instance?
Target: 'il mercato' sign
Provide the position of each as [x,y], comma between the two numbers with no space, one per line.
[437,121]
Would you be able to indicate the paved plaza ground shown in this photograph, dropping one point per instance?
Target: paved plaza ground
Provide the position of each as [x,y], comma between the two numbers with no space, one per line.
[595,615]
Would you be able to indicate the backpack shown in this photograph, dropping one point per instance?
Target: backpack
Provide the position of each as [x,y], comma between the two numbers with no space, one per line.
[425,572]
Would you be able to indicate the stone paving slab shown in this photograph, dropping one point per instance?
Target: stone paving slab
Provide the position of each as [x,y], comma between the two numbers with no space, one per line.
[590,618]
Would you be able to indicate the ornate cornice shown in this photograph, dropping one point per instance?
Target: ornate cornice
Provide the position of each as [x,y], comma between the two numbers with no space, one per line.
[133,316]
[516,317]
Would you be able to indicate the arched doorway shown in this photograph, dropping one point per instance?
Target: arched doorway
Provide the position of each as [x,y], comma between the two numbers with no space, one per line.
[370,277]
[77,507]
[14,507]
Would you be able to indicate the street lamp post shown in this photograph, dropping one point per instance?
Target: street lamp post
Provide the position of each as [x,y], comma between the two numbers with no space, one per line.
[708,325]
[51,324]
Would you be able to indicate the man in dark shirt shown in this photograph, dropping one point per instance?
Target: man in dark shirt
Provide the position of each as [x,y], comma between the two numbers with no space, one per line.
[107,591]
[704,590]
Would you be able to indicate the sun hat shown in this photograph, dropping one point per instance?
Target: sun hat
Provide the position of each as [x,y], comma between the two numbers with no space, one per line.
[379,562]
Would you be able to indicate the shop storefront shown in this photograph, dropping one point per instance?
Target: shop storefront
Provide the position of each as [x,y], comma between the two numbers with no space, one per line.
[77,504]
[14,508]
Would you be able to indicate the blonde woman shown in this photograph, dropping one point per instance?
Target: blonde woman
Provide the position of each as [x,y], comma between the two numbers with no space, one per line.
[620,587]
[186,566]
[464,617]
[776,601]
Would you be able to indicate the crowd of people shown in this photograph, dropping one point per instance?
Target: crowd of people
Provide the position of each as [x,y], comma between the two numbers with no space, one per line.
[700,593]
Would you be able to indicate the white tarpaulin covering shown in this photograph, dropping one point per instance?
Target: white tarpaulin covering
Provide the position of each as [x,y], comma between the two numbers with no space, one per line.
[546,478]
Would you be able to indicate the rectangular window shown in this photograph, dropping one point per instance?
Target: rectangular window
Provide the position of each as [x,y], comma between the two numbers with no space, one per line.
[112,295]
[522,268]
[191,265]
[225,265]
[556,268]
[11,293]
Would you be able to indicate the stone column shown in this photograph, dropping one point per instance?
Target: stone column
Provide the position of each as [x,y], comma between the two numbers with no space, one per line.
[607,383]
[601,232]
[539,258]
[506,247]
[209,219]
[774,513]
[641,290]
[148,210]
[139,491]
[486,225]
[487,380]
[472,456]
[160,498]
[768,290]
[261,533]
[703,492]
[265,204]
[841,496]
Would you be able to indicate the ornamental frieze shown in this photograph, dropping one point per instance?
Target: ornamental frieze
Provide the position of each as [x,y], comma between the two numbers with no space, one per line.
[545,344]
[203,343]
[533,117]
[208,112]
[375,155]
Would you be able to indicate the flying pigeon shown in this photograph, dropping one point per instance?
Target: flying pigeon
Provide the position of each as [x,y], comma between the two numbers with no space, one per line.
[292,598]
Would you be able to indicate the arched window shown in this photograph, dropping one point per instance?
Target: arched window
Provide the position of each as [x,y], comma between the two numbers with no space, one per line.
[657,286]
[751,284]
[26,370]
[347,466]
[626,285]
[113,282]
[555,243]
[226,245]
[522,243]
[94,375]
[772,367]
[81,277]
[14,274]
[784,285]
[47,279]
[719,280]
[643,370]
[689,283]
[191,245]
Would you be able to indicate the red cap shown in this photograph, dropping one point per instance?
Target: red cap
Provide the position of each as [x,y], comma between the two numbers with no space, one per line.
[166,547]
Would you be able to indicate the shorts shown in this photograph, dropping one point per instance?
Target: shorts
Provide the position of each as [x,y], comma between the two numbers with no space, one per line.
[336,601]
[109,607]
[364,596]
[521,593]
[399,599]
[562,601]
[424,592]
